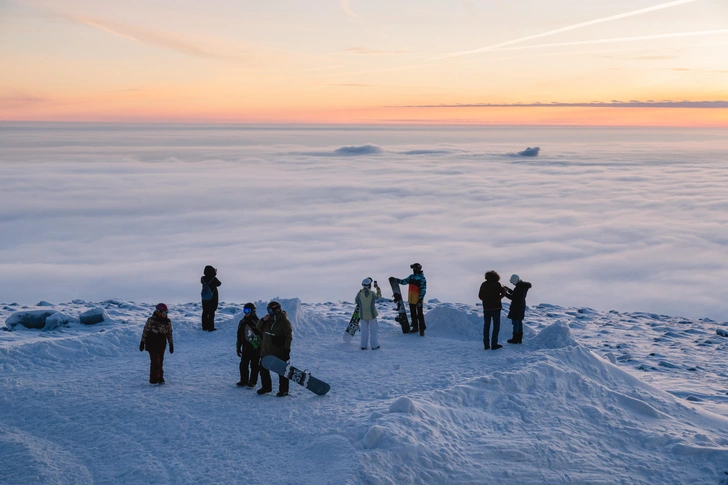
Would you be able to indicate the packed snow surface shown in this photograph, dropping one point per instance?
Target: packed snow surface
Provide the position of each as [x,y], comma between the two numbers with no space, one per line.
[590,397]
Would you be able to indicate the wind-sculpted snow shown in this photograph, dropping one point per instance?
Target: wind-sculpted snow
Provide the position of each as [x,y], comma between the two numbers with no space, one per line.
[436,409]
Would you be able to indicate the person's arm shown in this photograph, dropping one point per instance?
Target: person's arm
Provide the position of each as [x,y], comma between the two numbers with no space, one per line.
[169,338]
[423,289]
[507,292]
[215,282]
[404,281]
[379,292]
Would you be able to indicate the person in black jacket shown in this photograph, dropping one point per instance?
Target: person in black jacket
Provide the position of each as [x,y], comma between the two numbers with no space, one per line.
[248,348]
[491,292]
[518,306]
[209,295]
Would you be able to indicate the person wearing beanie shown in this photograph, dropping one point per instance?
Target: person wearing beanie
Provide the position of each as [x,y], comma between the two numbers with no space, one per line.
[157,332]
[246,348]
[366,299]
[210,297]
[277,337]
[491,293]
[517,311]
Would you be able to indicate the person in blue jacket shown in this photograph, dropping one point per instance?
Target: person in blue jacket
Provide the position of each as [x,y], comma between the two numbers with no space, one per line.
[518,306]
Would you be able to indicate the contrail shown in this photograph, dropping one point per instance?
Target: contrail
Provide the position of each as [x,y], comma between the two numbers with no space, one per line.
[614,39]
[566,29]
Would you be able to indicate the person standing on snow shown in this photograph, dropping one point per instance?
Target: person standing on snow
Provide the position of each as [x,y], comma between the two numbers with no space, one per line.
[415,295]
[209,296]
[157,331]
[277,337]
[518,306]
[249,354]
[366,300]
[491,293]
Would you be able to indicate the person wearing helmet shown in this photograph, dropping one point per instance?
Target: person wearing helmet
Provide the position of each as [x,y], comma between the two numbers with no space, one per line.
[366,300]
[277,337]
[415,296]
[491,293]
[248,353]
[517,311]
[210,298]
[157,332]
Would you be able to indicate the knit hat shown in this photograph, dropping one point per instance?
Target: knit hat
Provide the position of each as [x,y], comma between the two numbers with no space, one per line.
[515,279]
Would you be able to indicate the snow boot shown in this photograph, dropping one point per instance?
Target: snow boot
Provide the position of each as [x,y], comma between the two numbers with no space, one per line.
[263,391]
[520,338]
[282,394]
[514,339]
[486,345]
[496,346]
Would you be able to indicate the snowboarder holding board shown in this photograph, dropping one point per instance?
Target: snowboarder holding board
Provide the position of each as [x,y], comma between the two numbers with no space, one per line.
[210,297]
[415,295]
[157,332]
[518,306]
[277,337]
[491,293]
[248,347]
[366,300]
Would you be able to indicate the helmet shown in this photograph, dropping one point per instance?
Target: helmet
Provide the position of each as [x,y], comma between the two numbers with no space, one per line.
[416,267]
[161,307]
[274,305]
[366,283]
[248,308]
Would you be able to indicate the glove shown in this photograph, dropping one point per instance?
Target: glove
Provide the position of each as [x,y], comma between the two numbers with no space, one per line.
[171,348]
[141,346]
[286,355]
[240,352]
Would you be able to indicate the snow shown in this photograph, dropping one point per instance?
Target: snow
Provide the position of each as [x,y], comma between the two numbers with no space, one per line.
[588,398]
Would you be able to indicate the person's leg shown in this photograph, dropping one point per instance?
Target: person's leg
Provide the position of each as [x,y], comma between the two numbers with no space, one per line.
[364,328]
[374,330]
[496,329]
[205,314]
[518,330]
[244,361]
[486,329]
[413,316]
[254,367]
[266,385]
[282,386]
[421,319]
[153,366]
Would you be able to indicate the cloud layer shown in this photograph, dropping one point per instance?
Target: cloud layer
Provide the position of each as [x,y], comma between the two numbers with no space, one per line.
[608,218]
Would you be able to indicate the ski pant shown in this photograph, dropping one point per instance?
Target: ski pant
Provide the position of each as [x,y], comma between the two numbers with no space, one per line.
[267,384]
[156,361]
[367,327]
[418,318]
[489,315]
[208,314]
[252,362]
[517,326]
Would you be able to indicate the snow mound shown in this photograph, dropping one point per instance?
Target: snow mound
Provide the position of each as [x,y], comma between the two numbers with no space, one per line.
[555,336]
[447,320]
[35,319]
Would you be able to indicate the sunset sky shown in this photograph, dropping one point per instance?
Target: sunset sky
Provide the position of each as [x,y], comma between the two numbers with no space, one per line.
[373,61]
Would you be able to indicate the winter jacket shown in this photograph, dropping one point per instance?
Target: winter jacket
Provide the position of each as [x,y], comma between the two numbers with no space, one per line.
[366,299]
[157,333]
[417,287]
[213,283]
[277,335]
[242,344]
[518,300]
[490,294]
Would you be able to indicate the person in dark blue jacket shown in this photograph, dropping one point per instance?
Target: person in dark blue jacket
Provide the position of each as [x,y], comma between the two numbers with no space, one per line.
[518,306]
[491,293]
[210,297]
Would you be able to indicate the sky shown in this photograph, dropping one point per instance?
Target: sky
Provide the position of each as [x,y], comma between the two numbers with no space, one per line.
[365,62]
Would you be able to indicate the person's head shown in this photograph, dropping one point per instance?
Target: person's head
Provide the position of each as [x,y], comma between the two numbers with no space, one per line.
[274,308]
[249,309]
[492,276]
[515,279]
[367,283]
[210,271]
[416,267]
[161,310]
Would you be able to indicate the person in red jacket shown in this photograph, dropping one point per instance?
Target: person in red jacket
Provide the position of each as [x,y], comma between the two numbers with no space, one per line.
[157,332]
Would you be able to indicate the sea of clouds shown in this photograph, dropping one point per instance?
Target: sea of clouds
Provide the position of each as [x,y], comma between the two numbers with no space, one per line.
[629,219]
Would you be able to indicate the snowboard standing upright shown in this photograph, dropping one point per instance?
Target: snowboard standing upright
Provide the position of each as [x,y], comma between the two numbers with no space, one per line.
[402,313]
[353,325]
[252,337]
[302,377]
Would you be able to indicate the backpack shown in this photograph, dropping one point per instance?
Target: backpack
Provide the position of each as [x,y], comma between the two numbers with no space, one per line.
[206,292]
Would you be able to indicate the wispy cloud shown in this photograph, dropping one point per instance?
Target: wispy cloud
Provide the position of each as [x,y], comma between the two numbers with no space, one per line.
[593,104]
[346,7]
[500,45]
[375,52]
[19,100]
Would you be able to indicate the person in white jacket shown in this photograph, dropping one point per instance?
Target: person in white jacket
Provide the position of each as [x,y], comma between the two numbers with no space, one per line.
[366,300]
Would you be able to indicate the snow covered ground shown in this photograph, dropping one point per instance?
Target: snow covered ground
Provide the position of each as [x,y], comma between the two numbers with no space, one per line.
[590,398]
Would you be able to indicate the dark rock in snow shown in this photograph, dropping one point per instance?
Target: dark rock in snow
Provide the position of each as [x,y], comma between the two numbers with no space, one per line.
[93,316]
[29,319]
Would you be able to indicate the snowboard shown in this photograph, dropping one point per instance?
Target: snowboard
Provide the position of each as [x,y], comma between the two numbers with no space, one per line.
[402,313]
[353,326]
[252,337]
[302,377]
